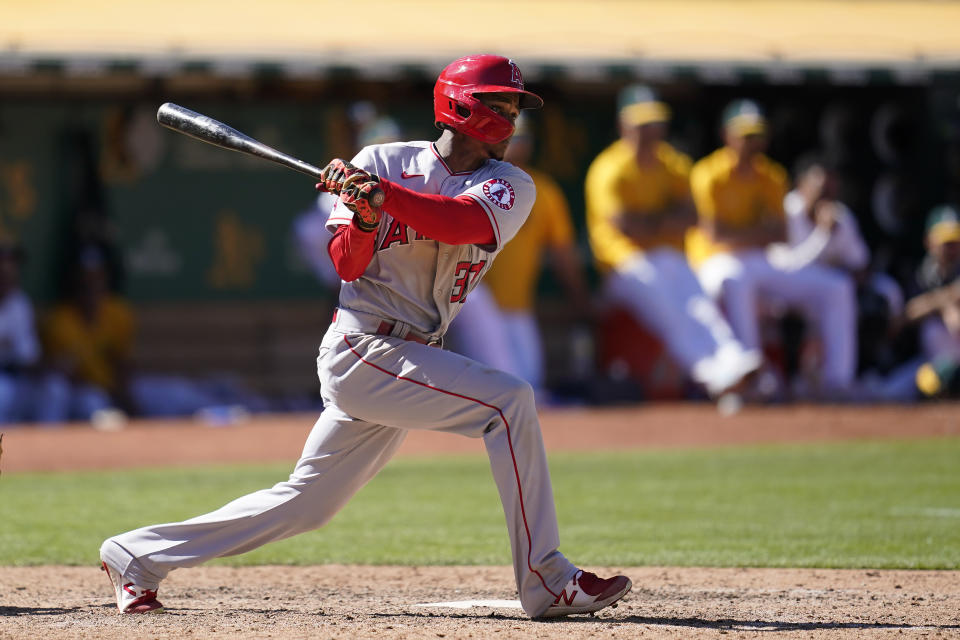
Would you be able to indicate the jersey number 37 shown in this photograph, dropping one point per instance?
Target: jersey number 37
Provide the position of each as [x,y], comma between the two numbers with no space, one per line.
[464,273]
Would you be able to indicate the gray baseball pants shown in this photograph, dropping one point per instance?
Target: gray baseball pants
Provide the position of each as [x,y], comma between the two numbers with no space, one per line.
[375,388]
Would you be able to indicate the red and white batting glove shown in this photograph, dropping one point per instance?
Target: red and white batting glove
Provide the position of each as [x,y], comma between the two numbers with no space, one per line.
[338,174]
[357,194]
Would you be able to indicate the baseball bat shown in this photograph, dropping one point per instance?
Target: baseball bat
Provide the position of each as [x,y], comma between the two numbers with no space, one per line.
[206,129]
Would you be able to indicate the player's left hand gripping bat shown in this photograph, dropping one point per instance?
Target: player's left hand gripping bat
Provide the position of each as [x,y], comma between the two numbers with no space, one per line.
[206,129]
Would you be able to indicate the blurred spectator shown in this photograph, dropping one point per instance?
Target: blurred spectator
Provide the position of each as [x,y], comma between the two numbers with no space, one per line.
[638,209]
[739,194]
[89,339]
[823,232]
[497,325]
[936,304]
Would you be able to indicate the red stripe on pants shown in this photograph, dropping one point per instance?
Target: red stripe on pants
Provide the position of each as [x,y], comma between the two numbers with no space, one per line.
[513,457]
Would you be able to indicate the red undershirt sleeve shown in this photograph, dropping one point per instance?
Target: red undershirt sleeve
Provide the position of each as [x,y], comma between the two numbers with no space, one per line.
[460,220]
[351,250]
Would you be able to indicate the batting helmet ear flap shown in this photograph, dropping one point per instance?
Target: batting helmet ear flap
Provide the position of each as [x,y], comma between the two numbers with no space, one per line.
[455,105]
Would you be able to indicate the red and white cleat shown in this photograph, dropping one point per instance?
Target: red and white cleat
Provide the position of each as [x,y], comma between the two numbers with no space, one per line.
[586,593]
[130,597]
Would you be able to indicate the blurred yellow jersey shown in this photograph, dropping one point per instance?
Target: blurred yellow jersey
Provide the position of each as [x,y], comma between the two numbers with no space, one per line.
[92,348]
[615,183]
[513,277]
[734,200]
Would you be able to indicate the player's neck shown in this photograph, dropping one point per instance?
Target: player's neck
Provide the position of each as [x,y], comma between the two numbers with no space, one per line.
[644,154]
[460,153]
[744,163]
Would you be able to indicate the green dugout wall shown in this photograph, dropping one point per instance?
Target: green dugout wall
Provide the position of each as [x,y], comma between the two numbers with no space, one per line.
[194,222]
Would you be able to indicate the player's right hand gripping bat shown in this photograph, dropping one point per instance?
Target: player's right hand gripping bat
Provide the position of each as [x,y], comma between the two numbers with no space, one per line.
[206,129]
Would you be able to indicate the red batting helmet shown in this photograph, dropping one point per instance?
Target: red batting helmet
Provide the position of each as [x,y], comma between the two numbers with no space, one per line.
[455,104]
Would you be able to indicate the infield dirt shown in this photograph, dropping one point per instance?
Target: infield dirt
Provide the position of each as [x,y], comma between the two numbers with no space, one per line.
[383,602]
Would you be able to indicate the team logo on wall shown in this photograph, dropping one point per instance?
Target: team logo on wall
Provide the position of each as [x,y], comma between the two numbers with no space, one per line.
[500,193]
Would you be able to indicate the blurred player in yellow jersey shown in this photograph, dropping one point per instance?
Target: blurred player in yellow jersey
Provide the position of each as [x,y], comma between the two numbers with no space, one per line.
[739,194]
[638,210]
[497,325]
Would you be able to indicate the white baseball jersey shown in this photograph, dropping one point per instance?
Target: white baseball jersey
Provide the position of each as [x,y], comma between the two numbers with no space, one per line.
[411,277]
[796,275]
[844,247]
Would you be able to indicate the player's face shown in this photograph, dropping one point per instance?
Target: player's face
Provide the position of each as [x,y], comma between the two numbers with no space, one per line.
[947,254]
[651,134]
[506,105]
[813,181]
[747,146]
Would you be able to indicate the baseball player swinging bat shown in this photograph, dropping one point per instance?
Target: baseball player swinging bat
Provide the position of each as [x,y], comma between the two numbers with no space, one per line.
[206,129]
[400,289]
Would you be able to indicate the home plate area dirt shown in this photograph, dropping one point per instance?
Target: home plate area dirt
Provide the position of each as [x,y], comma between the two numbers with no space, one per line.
[386,603]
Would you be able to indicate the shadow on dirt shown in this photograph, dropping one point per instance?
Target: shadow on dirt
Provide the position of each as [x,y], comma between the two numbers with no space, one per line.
[774,625]
[727,624]
[9,612]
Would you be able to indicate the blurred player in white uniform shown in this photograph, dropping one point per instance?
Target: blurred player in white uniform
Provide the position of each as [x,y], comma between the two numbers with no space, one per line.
[823,234]
[739,194]
[407,267]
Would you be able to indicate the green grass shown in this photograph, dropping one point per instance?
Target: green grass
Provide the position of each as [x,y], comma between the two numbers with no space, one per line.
[869,504]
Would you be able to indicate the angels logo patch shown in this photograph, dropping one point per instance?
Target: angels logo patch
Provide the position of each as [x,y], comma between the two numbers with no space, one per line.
[500,193]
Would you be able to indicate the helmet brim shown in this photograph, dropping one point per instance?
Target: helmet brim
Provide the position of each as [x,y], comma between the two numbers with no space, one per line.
[527,100]
[530,100]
